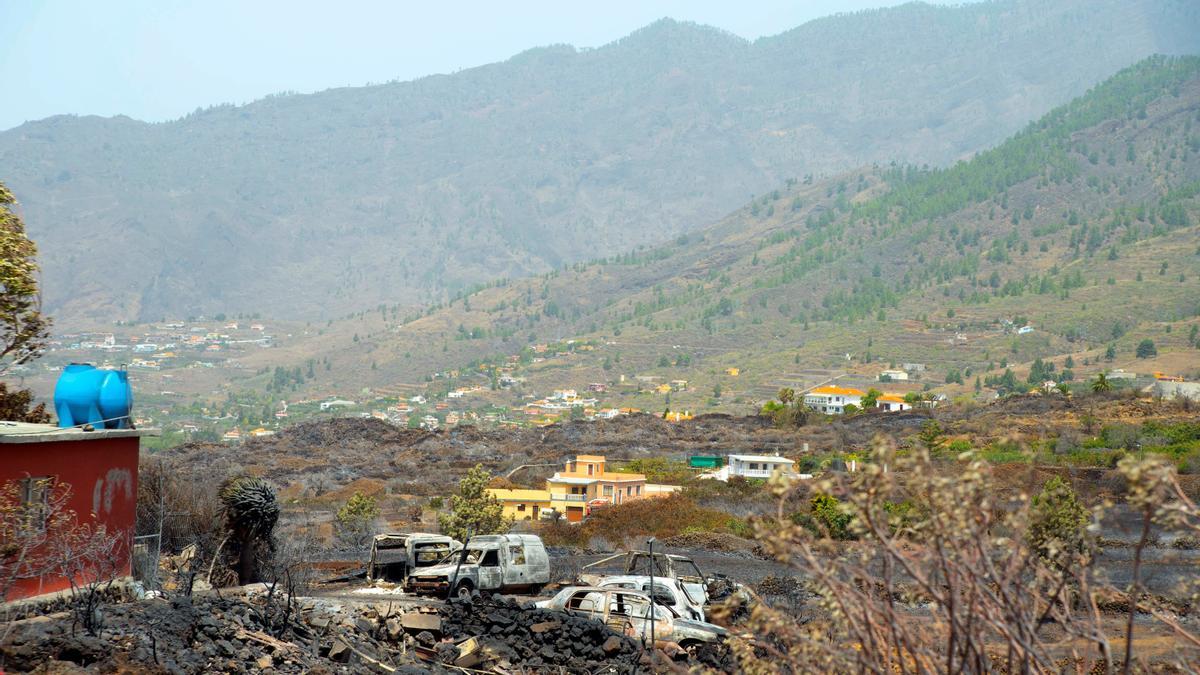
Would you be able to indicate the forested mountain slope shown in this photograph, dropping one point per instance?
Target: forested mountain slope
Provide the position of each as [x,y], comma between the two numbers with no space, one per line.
[1085,224]
[401,193]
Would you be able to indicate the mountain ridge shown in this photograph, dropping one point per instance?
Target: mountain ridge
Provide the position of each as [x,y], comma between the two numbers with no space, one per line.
[301,206]
[1084,224]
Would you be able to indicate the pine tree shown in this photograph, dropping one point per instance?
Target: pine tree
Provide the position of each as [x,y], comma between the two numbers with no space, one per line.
[474,510]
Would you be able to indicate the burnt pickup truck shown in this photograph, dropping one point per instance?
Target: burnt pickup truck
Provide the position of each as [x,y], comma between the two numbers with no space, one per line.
[494,562]
[396,555]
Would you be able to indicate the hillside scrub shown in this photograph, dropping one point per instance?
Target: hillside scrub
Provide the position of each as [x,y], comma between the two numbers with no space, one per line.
[660,517]
[988,571]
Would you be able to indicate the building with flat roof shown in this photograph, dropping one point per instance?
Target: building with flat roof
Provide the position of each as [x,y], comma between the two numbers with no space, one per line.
[584,483]
[832,400]
[752,466]
[92,475]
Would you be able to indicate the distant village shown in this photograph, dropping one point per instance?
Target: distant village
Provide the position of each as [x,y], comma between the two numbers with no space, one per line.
[492,392]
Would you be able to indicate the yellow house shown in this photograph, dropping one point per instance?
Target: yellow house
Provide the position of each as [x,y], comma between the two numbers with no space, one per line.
[663,388]
[584,482]
[522,504]
[732,372]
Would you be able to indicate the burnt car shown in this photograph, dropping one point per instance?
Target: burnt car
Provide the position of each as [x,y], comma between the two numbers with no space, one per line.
[396,555]
[632,612]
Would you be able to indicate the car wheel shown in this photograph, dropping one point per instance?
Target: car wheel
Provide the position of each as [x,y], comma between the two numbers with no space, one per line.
[464,591]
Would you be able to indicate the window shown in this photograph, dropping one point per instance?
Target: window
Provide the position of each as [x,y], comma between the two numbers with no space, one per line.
[637,489]
[754,466]
[588,601]
[491,558]
[590,469]
[516,554]
[662,594]
[521,507]
[608,490]
[35,500]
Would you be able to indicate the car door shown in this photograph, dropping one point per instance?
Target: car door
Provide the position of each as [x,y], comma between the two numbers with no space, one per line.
[590,604]
[619,614]
[490,572]
[516,566]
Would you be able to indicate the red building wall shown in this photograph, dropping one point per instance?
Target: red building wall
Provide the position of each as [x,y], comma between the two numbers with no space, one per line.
[102,473]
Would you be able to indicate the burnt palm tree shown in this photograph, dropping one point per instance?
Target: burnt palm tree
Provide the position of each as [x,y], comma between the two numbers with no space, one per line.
[251,512]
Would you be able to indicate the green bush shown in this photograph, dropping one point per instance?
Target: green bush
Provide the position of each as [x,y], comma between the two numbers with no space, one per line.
[830,518]
[1058,524]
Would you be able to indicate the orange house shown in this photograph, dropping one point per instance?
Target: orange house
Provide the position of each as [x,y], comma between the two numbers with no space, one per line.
[584,480]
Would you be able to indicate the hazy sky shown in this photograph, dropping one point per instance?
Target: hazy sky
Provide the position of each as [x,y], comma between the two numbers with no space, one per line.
[160,59]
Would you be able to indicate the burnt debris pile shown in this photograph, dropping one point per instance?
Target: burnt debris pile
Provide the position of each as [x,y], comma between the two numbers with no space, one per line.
[490,631]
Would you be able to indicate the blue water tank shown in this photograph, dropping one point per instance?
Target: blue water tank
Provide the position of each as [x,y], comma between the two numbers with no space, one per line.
[86,394]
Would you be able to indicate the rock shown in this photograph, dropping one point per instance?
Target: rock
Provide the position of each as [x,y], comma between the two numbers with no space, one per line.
[365,625]
[394,629]
[264,662]
[339,652]
[612,645]
[225,647]
[544,626]
[421,621]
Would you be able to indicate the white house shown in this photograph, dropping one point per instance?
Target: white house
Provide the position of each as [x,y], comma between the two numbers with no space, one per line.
[892,403]
[833,400]
[753,466]
[895,375]
[1169,389]
[336,403]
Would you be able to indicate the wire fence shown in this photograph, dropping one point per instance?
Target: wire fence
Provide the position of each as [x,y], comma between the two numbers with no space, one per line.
[146,551]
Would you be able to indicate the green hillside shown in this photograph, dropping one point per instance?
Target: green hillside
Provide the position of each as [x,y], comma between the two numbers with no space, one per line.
[1085,225]
[310,206]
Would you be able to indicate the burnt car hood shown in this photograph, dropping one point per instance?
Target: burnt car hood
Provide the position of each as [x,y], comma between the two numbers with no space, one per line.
[442,570]
[700,626]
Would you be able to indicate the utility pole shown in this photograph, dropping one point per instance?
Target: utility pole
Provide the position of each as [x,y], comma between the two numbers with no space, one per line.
[650,544]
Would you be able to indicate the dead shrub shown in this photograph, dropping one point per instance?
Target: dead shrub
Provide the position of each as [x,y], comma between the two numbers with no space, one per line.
[660,517]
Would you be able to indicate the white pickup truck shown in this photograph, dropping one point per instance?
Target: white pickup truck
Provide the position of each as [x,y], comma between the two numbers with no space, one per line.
[495,562]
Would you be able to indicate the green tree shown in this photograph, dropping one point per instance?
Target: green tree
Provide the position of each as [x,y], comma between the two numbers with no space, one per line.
[1101,383]
[23,328]
[871,398]
[1146,349]
[787,395]
[1110,354]
[474,510]
[931,435]
[17,406]
[355,521]
[1058,523]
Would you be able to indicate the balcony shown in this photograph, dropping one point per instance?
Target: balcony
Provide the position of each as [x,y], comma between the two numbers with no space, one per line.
[757,473]
[568,498]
